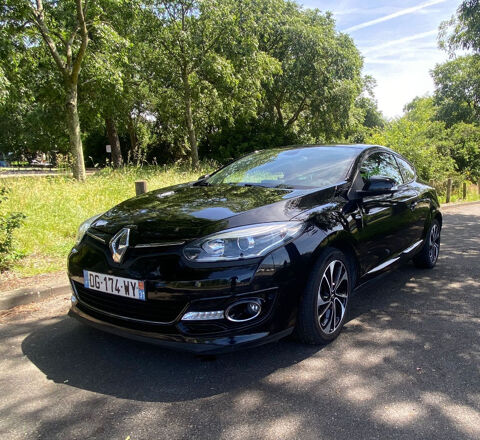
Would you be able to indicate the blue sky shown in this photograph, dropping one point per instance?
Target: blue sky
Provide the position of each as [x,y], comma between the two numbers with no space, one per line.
[398,41]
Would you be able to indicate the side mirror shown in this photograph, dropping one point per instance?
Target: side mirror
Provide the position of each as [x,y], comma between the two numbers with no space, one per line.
[377,185]
[203,177]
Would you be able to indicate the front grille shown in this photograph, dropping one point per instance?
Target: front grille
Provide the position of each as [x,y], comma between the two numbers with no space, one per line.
[159,311]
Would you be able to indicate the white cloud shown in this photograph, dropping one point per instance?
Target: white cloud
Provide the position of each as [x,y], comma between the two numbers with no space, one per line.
[405,54]
[394,15]
[399,41]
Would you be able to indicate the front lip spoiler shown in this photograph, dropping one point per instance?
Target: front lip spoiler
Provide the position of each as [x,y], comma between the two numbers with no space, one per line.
[197,345]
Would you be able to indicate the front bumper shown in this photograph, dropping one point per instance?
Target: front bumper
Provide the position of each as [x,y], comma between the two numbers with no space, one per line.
[194,344]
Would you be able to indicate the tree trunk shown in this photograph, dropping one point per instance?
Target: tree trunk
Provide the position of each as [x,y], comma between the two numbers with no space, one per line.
[73,123]
[133,138]
[117,160]
[189,120]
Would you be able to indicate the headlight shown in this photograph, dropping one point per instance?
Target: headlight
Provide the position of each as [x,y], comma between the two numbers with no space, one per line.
[243,242]
[82,229]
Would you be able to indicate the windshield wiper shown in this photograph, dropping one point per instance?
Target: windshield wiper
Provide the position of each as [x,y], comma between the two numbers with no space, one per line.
[254,184]
[202,183]
[280,186]
[283,186]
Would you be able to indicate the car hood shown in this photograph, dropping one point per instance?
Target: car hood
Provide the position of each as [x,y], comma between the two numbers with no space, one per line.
[190,211]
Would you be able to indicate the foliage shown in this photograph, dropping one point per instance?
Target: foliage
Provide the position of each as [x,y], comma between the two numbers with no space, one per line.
[420,139]
[172,74]
[463,30]
[465,149]
[8,223]
[457,90]
[320,78]
[437,151]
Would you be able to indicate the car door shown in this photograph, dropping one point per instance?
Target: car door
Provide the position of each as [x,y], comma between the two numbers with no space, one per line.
[385,219]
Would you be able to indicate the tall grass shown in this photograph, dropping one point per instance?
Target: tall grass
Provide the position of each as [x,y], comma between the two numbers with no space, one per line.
[55,206]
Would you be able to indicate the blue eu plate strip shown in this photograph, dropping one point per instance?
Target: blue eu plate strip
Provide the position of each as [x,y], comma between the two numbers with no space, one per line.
[141,290]
[85,279]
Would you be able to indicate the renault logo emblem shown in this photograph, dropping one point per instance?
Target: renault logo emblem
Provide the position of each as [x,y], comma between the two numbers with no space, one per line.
[119,244]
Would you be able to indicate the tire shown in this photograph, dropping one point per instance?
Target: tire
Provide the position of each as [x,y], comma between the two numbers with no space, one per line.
[321,305]
[428,256]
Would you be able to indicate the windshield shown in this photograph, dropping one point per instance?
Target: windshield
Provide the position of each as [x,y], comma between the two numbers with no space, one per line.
[309,167]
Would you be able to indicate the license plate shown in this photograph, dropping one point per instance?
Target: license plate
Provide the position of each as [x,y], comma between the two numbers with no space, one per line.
[114,285]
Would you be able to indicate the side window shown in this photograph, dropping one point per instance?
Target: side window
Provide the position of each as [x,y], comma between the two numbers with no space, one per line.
[408,172]
[381,164]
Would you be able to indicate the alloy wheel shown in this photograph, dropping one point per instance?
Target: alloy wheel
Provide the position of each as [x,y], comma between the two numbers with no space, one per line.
[434,243]
[332,296]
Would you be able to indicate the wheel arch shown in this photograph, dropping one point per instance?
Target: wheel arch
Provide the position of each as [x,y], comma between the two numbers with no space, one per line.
[438,216]
[344,243]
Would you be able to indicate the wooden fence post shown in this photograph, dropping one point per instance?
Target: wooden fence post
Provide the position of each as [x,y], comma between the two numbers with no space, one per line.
[464,190]
[449,190]
[140,187]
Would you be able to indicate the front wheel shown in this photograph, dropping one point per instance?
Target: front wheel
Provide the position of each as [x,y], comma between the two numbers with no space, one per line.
[324,305]
[428,256]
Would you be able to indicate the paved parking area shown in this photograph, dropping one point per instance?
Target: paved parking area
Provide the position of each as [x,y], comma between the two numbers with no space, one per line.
[406,366]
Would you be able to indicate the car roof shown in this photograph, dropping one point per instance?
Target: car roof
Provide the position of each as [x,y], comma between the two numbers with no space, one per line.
[353,146]
[360,148]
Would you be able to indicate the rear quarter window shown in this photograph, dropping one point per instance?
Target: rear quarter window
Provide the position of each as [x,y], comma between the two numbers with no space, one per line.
[407,170]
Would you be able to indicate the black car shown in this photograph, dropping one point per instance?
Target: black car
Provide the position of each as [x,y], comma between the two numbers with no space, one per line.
[270,244]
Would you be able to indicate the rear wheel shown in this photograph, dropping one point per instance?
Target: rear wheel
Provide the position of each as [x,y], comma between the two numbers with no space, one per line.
[324,305]
[428,256]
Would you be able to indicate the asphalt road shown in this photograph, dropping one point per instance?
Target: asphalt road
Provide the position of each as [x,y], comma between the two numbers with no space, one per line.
[407,366]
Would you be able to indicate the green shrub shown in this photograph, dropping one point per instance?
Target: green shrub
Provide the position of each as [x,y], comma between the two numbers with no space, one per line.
[8,223]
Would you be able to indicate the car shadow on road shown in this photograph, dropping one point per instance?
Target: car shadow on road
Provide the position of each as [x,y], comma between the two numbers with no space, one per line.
[104,363]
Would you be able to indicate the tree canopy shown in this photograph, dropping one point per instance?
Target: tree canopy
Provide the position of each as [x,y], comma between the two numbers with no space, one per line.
[168,80]
[158,78]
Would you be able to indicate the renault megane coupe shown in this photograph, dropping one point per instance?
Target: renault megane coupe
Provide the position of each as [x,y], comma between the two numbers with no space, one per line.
[270,244]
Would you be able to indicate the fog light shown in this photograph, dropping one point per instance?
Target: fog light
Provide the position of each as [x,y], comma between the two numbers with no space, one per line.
[243,311]
[203,316]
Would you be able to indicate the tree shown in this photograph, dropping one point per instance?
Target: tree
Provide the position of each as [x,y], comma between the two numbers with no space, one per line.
[3,86]
[209,66]
[462,31]
[117,75]
[320,75]
[69,64]
[170,75]
[64,29]
[457,90]
[365,114]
